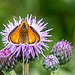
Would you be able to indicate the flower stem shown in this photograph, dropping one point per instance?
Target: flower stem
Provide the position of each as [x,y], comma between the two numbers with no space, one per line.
[54,72]
[3,73]
[25,69]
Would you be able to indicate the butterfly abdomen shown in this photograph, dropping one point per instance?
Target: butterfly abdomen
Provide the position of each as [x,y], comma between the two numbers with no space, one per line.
[23,36]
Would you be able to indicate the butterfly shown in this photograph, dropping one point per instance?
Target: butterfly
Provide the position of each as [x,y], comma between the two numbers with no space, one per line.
[23,34]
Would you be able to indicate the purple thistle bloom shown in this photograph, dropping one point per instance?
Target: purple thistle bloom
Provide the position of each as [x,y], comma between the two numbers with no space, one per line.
[63,51]
[5,63]
[27,50]
[51,63]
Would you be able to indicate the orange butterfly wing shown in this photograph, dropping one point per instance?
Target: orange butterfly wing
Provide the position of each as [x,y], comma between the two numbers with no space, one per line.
[31,36]
[36,34]
[14,35]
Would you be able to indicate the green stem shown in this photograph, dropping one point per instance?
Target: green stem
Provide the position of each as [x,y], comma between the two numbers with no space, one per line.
[25,69]
[5,73]
[54,72]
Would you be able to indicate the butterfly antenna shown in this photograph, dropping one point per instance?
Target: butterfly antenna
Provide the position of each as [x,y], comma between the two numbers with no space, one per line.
[14,16]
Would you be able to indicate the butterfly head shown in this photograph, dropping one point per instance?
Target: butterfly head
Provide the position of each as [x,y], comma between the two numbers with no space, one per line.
[24,24]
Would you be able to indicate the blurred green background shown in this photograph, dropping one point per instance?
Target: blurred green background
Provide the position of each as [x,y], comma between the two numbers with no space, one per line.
[60,15]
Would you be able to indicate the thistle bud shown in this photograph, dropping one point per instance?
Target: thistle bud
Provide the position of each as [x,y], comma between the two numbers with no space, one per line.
[63,51]
[5,63]
[50,63]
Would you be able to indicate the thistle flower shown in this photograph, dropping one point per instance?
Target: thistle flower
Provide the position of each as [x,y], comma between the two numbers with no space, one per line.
[27,51]
[5,63]
[50,63]
[63,51]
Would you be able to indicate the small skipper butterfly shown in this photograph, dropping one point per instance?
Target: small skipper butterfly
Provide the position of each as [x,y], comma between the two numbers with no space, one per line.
[24,34]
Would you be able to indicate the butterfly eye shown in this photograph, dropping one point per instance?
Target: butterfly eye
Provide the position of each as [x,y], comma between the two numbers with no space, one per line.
[22,19]
[26,20]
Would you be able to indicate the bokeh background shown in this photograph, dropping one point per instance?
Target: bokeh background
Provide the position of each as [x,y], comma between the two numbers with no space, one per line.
[60,15]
